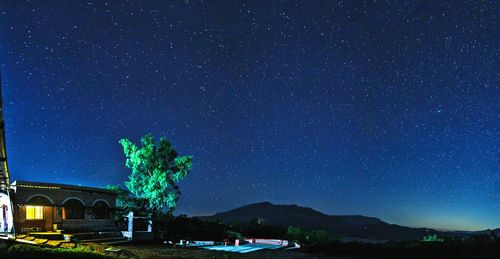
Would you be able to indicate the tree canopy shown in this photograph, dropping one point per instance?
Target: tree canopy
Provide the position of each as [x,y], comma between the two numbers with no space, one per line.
[156,172]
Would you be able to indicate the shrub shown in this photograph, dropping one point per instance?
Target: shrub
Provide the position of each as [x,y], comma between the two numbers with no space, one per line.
[32,252]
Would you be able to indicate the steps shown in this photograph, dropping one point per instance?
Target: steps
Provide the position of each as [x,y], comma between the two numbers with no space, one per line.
[48,235]
[59,240]
[116,242]
[105,238]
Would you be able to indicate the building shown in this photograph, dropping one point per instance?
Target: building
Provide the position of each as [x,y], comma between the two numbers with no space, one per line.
[48,206]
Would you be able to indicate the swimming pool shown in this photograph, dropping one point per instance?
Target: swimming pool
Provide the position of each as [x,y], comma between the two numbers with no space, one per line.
[247,248]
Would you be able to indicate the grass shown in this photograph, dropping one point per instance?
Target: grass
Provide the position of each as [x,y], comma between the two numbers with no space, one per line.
[33,252]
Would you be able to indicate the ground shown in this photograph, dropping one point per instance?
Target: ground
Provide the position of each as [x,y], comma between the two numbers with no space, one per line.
[158,251]
[161,251]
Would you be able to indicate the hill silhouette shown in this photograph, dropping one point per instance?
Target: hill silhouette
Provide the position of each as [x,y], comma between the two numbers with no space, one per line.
[342,226]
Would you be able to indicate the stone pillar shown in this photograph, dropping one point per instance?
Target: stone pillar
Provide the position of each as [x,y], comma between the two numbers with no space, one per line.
[130,225]
[150,225]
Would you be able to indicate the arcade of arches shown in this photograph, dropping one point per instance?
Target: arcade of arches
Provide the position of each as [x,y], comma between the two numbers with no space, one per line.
[46,207]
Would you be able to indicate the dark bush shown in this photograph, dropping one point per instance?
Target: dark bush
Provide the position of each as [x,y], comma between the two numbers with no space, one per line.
[192,228]
[33,252]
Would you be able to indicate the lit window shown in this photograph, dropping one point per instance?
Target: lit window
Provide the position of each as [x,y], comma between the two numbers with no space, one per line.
[34,212]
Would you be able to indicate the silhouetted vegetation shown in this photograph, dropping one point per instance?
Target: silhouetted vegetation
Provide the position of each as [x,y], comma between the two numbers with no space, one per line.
[192,228]
[257,229]
[318,238]
[477,246]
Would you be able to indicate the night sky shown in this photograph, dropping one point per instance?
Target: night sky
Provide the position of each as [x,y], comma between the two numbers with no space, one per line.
[381,109]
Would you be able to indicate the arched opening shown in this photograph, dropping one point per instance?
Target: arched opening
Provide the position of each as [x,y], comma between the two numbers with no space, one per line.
[73,209]
[39,200]
[100,210]
[35,207]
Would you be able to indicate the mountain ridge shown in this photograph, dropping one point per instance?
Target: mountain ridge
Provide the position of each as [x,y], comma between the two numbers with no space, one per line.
[342,226]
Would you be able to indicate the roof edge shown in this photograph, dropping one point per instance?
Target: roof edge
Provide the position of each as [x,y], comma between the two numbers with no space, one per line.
[28,184]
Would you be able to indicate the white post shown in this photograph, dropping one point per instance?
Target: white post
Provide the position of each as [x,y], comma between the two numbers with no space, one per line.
[130,227]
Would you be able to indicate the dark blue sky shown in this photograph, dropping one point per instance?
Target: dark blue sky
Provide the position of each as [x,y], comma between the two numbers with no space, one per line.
[374,108]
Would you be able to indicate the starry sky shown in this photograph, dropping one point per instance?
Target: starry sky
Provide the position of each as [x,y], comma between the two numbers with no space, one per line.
[386,109]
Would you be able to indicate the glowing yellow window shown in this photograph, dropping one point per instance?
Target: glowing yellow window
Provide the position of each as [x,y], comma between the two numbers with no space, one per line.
[34,212]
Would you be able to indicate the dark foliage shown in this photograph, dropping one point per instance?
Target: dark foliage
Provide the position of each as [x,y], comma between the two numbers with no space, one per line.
[192,228]
[481,246]
[35,252]
[256,229]
[314,238]
[126,202]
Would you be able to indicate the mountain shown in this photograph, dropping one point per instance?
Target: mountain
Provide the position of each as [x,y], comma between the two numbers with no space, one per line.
[483,232]
[341,226]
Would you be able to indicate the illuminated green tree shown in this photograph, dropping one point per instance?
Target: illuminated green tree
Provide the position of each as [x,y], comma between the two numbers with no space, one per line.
[156,172]
[432,238]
